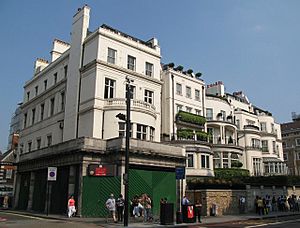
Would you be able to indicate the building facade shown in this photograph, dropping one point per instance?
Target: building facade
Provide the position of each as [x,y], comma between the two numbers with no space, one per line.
[290,132]
[69,122]
[252,135]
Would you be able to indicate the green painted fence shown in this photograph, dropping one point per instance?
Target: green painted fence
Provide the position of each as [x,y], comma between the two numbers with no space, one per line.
[96,190]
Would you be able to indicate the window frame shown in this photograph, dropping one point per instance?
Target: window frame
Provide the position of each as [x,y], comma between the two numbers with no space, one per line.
[141,131]
[109,88]
[131,65]
[190,160]
[148,96]
[178,89]
[149,71]
[111,59]
[188,92]
[197,94]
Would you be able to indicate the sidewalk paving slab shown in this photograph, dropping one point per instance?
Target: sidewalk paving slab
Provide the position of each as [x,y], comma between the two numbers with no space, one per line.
[139,222]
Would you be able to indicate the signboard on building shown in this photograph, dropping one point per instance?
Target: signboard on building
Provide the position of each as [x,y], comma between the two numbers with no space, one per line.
[52,173]
[102,170]
[180,172]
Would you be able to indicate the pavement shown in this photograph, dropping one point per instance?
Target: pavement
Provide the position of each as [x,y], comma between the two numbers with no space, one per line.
[139,222]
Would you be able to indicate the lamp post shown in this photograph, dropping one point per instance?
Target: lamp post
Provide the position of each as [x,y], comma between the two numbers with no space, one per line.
[126,173]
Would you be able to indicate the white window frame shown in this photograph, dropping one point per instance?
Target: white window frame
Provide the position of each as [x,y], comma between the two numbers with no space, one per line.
[131,62]
[109,88]
[148,96]
[149,69]
[111,55]
[209,117]
[188,92]
[190,159]
[178,89]
[141,132]
[197,94]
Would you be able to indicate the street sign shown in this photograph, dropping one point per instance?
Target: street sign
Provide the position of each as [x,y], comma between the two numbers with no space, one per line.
[180,172]
[52,171]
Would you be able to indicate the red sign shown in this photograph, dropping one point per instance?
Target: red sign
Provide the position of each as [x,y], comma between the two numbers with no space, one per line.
[100,171]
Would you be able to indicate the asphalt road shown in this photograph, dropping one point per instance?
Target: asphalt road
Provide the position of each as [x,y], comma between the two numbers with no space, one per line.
[289,221]
[11,220]
[22,221]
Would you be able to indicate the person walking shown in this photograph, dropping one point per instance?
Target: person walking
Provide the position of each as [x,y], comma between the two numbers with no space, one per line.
[185,200]
[147,207]
[120,207]
[198,206]
[111,206]
[71,207]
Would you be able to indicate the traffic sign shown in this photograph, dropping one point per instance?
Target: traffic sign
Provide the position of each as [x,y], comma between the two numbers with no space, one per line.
[52,171]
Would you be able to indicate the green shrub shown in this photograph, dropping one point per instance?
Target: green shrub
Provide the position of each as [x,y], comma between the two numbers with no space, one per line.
[228,173]
[190,118]
[185,133]
[236,164]
[201,135]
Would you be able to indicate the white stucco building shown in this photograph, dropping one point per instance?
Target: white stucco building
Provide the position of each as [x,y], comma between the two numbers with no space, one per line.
[251,133]
[183,124]
[69,122]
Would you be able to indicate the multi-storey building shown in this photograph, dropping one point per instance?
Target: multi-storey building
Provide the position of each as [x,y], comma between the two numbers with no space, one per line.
[290,132]
[221,126]
[69,122]
[183,102]
[249,134]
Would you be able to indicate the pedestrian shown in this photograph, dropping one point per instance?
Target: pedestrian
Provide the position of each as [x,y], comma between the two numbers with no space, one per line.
[5,201]
[71,206]
[185,200]
[120,207]
[111,206]
[242,204]
[260,206]
[146,202]
[198,206]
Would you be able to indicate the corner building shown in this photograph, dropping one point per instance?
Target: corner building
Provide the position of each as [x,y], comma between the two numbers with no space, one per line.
[69,122]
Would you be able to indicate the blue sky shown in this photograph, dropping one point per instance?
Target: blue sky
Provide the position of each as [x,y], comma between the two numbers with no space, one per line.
[252,46]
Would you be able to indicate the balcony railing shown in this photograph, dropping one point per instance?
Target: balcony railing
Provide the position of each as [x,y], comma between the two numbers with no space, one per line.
[134,103]
[251,127]
[226,141]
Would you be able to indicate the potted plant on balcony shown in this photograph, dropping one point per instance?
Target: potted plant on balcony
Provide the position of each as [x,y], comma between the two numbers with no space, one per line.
[198,75]
[179,68]
[171,65]
[189,71]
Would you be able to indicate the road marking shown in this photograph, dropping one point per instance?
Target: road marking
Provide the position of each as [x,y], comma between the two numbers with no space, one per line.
[27,216]
[273,223]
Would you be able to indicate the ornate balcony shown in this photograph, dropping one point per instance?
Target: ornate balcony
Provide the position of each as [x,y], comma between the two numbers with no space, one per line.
[120,103]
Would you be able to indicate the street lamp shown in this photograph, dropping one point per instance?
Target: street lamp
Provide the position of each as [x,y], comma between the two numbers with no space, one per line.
[126,174]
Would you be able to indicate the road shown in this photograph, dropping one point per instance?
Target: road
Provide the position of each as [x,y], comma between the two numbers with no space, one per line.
[22,221]
[289,221]
[14,220]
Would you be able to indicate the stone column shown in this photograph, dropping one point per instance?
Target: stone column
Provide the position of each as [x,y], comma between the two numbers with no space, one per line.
[31,189]
[17,190]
